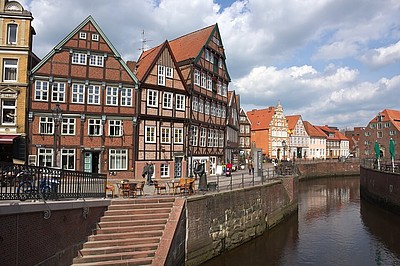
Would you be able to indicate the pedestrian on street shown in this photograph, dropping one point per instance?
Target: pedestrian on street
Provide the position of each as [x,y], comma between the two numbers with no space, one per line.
[145,172]
[250,166]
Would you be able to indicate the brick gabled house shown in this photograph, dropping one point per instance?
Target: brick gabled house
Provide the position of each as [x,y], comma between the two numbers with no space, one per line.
[82,106]
[163,110]
[244,134]
[354,140]
[298,137]
[337,144]
[201,58]
[383,127]
[260,128]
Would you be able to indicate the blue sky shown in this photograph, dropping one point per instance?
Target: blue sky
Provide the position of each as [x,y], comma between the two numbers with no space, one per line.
[334,62]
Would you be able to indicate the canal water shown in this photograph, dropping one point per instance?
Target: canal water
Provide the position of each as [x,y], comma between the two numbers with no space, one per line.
[333,226]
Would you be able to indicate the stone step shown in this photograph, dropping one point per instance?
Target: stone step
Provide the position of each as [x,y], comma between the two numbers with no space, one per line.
[131,262]
[120,242]
[129,211]
[142,222]
[140,206]
[147,200]
[133,217]
[137,228]
[118,249]
[115,256]
[125,235]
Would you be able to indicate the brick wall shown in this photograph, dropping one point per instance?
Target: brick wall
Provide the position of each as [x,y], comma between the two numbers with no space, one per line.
[381,187]
[219,222]
[327,168]
[28,238]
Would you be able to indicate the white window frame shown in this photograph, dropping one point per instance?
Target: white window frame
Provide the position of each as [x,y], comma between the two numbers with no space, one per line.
[203,135]
[8,112]
[216,137]
[207,107]
[78,93]
[194,136]
[203,80]
[58,92]
[165,135]
[41,90]
[79,58]
[45,157]
[126,96]
[164,170]
[209,82]
[169,72]
[82,35]
[11,35]
[167,100]
[180,102]
[150,134]
[115,128]
[161,75]
[152,98]
[178,135]
[96,60]
[68,126]
[197,77]
[210,141]
[195,105]
[118,159]
[221,138]
[95,127]
[93,94]
[70,158]
[112,96]
[95,37]
[46,125]
[10,69]
[201,106]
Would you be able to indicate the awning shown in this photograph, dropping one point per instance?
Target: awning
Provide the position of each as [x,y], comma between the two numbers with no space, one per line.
[7,139]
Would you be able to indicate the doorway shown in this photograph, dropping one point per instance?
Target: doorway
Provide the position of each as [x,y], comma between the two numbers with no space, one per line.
[92,162]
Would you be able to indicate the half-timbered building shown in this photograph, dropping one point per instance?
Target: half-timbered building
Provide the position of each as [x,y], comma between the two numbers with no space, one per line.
[82,106]
[163,107]
[244,134]
[232,129]
[201,58]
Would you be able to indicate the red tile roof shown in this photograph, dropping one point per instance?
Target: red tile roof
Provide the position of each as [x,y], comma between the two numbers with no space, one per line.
[260,119]
[313,131]
[189,46]
[146,59]
[292,121]
[389,116]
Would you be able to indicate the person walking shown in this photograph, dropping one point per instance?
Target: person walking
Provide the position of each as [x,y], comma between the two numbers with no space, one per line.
[150,172]
[250,166]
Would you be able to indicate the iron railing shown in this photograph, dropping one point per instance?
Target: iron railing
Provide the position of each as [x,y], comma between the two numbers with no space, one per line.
[243,179]
[385,165]
[24,182]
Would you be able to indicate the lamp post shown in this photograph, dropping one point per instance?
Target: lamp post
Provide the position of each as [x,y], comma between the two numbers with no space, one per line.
[284,149]
[57,118]
[191,150]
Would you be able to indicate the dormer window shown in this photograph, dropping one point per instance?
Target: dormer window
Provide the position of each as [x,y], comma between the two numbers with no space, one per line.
[82,35]
[12,33]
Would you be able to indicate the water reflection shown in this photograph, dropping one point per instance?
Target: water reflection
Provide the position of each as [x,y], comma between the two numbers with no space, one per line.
[332,227]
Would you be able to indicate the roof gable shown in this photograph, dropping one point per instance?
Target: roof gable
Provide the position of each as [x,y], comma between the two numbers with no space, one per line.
[63,42]
[261,119]
[292,121]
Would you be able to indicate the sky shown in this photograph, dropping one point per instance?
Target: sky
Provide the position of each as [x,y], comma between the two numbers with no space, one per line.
[334,62]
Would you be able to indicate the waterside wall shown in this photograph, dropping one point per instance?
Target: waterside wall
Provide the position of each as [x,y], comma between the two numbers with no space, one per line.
[222,221]
[380,187]
[33,233]
[328,169]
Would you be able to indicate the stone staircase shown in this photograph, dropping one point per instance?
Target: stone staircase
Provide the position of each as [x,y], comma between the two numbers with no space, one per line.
[129,233]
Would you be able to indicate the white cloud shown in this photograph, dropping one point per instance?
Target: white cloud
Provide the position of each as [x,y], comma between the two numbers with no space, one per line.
[382,56]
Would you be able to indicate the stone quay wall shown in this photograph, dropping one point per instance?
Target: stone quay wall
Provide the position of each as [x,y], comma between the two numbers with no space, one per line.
[380,187]
[222,221]
[35,233]
[328,169]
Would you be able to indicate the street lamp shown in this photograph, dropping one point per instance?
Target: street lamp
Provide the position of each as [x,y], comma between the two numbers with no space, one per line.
[57,118]
[284,149]
[191,150]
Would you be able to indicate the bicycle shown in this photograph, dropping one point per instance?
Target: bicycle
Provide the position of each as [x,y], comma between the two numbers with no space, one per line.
[47,188]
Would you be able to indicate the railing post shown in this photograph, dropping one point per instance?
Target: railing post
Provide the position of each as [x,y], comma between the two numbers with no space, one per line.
[231,180]
[242,180]
[217,183]
[253,179]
